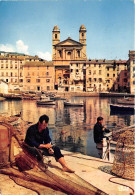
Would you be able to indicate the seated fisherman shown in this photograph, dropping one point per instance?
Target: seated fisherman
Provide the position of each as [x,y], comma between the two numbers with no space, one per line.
[99,130]
[38,136]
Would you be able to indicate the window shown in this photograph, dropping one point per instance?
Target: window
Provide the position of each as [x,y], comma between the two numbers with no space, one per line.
[125,74]
[2,66]
[125,80]
[6,73]
[59,54]
[133,61]
[113,68]
[78,52]
[100,72]
[94,72]
[108,81]
[84,64]
[89,72]
[47,67]
[95,79]
[108,75]
[11,74]
[21,80]
[20,74]
[38,80]
[100,80]
[47,80]
[113,75]
[28,80]
[94,65]
[11,66]
[71,70]
[117,80]
[15,80]
[6,65]
[48,87]
[47,73]
[108,68]
[99,65]
[2,74]
[7,80]
[15,66]
[77,70]
[76,65]
[82,34]
[90,79]
[55,36]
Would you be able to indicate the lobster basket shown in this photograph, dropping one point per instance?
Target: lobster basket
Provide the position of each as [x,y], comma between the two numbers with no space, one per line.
[124,160]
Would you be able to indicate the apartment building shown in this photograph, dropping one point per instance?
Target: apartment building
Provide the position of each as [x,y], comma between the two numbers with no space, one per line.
[38,76]
[131,71]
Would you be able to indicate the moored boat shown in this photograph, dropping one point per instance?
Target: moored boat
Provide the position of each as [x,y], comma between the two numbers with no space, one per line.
[46,102]
[72,104]
[12,96]
[126,101]
[2,99]
[122,108]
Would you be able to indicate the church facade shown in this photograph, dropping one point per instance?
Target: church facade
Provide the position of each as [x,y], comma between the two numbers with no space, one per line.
[65,52]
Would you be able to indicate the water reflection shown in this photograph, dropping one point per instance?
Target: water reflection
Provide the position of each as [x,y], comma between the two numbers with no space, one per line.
[76,122]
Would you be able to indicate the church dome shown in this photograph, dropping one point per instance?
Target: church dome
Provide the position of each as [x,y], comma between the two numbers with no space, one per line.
[56,28]
[82,27]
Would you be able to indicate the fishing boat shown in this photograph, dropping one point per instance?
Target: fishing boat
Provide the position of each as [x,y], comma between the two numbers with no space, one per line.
[126,101]
[72,104]
[2,99]
[46,102]
[124,109]
[12,96]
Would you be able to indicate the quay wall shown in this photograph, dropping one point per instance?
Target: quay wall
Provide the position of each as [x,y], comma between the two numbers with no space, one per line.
[90,94]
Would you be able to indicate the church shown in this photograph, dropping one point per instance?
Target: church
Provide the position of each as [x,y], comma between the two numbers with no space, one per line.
[64,53]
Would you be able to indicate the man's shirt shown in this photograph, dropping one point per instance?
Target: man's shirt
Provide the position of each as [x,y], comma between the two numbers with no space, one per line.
[35,138]
[99,133]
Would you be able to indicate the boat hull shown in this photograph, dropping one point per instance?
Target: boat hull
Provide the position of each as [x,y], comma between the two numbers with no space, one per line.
[72,104]
[121,109]
[45,102]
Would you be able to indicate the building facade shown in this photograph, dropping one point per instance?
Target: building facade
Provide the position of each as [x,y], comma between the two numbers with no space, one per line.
[131,71]
[38,76]
[63,53]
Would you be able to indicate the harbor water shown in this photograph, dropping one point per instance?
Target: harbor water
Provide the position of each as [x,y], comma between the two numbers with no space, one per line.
[71,128]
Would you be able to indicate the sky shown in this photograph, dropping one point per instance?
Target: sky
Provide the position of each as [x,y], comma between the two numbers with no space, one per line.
[26,26]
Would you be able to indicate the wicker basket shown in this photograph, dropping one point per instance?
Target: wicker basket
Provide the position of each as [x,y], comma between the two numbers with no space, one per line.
[124,160]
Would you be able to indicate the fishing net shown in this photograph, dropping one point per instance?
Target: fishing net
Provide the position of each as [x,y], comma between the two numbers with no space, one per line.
[124,160]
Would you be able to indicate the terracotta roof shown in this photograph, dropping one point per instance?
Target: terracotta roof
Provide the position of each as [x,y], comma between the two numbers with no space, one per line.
[121,61]
[39,63]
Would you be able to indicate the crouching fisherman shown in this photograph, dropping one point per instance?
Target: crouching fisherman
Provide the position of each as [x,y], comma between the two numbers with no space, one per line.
[99,131]
[38,136]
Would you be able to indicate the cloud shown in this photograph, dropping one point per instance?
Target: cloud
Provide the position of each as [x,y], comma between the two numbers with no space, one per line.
[21,47]
[45,56]
[7,48]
